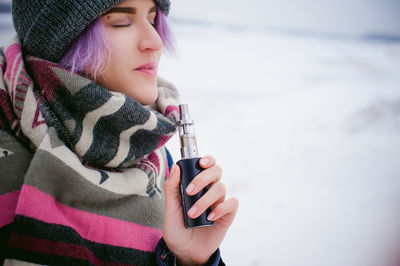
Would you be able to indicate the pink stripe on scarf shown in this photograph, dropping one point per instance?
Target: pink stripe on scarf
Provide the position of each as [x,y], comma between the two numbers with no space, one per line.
[19,98]
[14,76]
[12,52]
[153,158]
[101,229]
[25,78]
[172,109]
[8,202]
[20,82]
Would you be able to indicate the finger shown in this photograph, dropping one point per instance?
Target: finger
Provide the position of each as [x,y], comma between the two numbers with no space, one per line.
[171,190]
[173,179]
[219,201]
[229,206]
[207,161]
[216,192]
[206,177]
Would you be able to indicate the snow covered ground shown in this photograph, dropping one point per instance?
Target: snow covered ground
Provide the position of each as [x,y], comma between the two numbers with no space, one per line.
[307,131]
[304,118]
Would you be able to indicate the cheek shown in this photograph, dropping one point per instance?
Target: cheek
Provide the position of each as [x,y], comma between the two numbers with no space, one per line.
[114,76]
[120,66]
[121,54]
[122,41]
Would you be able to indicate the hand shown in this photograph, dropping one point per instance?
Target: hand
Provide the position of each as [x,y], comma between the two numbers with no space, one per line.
[195,246]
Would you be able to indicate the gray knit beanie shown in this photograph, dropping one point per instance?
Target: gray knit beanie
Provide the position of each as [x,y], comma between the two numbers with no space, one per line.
[47,28]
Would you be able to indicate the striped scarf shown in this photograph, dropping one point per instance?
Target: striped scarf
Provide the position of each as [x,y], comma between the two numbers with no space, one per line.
[81,167]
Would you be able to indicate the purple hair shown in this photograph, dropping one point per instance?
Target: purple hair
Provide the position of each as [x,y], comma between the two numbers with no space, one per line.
[91,49]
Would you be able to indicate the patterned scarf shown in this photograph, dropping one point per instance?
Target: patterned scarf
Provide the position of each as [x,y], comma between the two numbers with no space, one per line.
[86,185]
[107,131]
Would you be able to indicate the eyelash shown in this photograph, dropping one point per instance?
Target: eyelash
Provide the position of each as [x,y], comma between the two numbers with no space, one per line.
[123,26]
[127,25]
[120,26]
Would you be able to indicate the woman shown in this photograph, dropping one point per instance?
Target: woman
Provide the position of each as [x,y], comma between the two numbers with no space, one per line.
[83,122]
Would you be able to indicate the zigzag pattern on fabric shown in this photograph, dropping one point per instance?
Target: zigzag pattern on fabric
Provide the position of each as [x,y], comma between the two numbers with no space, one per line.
[19,105]
[106,129]
[82,168]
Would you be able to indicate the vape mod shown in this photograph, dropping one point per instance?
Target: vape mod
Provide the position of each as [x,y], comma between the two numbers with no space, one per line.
[190,167]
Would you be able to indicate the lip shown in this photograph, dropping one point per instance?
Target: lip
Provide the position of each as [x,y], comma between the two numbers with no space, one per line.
[149,69]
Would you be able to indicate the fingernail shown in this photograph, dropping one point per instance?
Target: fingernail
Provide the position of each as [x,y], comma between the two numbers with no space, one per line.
[192,211]
[205,161]
[211,216]
[190,188]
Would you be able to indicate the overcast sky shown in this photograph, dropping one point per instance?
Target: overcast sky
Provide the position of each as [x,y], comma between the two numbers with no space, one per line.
[354,18]
[339,16]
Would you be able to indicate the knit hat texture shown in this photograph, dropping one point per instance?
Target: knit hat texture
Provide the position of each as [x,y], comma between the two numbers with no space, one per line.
[47,28]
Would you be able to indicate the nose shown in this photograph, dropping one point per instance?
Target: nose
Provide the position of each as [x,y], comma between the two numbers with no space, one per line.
[151,40]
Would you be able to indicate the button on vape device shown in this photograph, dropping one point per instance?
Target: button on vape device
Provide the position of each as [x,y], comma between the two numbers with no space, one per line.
[190,167]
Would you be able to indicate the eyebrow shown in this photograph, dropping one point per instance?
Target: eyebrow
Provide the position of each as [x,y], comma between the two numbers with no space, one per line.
[129,10]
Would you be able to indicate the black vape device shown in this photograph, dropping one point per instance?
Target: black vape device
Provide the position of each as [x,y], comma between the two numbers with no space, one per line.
[190,167]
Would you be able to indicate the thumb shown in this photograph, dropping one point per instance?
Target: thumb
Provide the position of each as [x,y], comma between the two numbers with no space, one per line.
[171,190]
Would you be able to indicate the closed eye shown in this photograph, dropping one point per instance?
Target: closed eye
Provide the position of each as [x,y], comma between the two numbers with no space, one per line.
[120,26]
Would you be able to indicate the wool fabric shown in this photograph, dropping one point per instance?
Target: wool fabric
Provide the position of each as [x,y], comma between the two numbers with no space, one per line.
[81,168]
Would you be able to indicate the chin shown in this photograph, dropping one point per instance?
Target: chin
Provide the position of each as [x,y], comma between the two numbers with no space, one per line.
[148,101]
[149,98]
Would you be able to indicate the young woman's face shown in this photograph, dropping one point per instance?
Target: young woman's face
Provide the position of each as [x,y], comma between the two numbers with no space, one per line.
[136,50]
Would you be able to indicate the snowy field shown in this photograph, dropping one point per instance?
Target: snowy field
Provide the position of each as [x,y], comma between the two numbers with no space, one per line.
[306,124]
[307,131]
[304,118]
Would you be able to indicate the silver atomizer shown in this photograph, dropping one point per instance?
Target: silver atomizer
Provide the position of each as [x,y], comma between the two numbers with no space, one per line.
[190,167]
